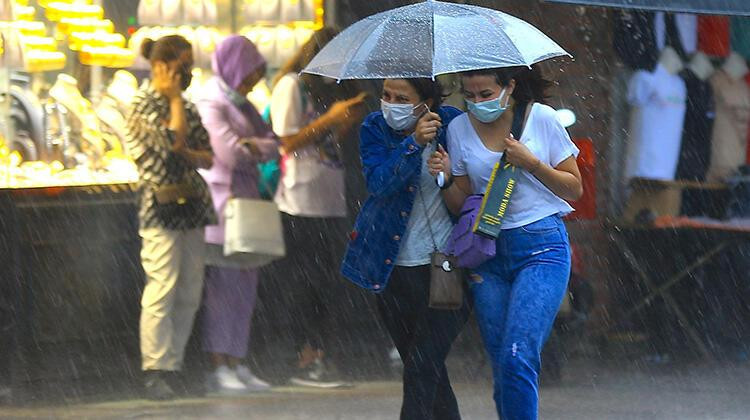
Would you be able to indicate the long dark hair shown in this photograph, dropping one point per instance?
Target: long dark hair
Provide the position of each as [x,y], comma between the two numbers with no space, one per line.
[167,48]
[305,54]
[531,86]
[428,89]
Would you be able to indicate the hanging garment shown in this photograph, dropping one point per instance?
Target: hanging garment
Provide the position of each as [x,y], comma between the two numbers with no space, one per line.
[729,137]
[713,35]
[634,39]
[739,28]
[658,99]
[695,151]
[679,30]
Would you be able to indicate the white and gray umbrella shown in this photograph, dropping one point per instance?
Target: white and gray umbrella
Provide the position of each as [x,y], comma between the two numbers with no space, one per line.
[432,38]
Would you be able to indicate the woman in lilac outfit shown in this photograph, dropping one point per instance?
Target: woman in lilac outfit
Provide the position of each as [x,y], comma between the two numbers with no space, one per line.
[240,139]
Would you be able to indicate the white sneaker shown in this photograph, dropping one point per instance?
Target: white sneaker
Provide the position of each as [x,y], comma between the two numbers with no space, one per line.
[252,382]
[227,381]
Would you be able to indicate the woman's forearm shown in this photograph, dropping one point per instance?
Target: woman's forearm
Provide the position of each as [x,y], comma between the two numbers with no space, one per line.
[198,158]
[308,135]
[455,195]
[564,184]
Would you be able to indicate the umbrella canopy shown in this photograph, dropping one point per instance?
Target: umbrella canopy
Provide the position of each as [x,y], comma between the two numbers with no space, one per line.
[719,7]
[431,38]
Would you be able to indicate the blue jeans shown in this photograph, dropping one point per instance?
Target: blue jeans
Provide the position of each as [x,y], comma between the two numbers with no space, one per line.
[516,297]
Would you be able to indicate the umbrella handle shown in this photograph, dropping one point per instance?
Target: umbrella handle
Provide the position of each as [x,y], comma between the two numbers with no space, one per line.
[440,179]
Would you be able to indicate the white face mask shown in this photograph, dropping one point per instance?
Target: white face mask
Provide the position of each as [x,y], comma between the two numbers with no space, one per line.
[399,117]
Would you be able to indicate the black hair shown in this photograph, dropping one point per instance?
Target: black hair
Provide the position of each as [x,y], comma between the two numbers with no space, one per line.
[428,89]
[531,86]
[167,48]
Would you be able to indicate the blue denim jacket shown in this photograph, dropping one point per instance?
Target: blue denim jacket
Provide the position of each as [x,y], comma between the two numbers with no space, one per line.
[392,164]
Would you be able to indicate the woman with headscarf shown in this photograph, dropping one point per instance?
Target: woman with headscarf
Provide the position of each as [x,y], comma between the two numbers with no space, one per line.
[240,140]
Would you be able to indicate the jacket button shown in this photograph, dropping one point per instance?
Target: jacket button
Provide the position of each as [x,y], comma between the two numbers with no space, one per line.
[404,214]
[411,188]
[388,261]
[376,287]
[411,147]
[396,238]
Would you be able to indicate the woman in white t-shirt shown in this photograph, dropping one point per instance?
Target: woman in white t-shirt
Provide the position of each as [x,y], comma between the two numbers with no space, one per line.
[310,123]
[518,292]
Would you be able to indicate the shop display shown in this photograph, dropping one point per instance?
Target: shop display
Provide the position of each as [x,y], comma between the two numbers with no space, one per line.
[678,30]
[699,120]
[177,12]
[713,35]
[729,138]
[658,100]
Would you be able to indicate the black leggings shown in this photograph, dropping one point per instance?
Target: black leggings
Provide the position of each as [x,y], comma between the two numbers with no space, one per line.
[423,337]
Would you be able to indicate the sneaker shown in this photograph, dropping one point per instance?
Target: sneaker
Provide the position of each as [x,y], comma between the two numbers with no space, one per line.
[252,382]
[155,386]
[315,375]
[226,381]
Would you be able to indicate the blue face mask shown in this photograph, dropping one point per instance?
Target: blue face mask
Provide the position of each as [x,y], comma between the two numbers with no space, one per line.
[399,117]
[488,111]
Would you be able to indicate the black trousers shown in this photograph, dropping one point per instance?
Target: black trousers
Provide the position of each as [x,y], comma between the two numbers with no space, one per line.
[423,337]
[305,282]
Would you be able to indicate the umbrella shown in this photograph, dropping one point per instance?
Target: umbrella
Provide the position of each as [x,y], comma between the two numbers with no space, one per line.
[431,38]
[719,7]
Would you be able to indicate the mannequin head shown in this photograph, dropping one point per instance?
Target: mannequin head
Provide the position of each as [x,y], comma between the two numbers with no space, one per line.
[735,66]
[670,60]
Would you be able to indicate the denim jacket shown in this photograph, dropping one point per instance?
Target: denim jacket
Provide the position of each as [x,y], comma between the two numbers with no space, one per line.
[392,164]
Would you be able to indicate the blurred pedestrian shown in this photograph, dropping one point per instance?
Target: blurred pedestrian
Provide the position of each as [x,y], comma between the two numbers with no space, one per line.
[240,140]
[518,292]
[310,121]
[168,143]
[400,224]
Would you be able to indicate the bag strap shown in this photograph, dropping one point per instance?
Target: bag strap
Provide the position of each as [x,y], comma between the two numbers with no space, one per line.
[518,116]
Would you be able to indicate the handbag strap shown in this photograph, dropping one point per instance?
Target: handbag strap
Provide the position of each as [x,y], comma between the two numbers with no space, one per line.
[516,129]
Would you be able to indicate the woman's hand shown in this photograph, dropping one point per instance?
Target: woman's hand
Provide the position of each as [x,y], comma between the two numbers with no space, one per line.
[168,82]
[517,154]
[440,161]
[427,128]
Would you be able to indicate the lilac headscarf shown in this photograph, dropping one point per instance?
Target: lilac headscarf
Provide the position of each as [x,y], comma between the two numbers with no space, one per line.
[235,58]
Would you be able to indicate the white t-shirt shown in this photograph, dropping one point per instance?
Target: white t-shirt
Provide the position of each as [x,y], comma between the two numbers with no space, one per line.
[545,137]
[656,122]
[416,245]
[311,185]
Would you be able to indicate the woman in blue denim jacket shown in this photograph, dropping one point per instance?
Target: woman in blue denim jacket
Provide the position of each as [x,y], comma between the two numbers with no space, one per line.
[518,292]
[400,224]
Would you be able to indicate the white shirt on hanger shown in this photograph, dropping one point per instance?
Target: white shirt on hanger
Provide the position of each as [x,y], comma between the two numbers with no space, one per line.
[658,99]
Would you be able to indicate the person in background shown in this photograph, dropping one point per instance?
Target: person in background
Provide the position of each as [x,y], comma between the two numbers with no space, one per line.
[166,140]
[518,292]
[310,195]
[240,140]
[390,247]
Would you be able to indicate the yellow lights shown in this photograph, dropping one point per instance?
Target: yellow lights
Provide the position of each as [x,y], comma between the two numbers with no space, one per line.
[69,25]
[106,56]
[77,40]
[29,28]
[57,11]
[23,12]
[41,43]
[37,60]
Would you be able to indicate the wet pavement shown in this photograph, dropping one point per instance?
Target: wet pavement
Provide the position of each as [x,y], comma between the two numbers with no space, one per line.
[588,391]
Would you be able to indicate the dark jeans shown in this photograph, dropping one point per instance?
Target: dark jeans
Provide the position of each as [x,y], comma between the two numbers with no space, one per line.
[423,337]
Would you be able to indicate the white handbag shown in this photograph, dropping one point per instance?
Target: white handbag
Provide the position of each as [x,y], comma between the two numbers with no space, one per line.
[253,235]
